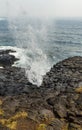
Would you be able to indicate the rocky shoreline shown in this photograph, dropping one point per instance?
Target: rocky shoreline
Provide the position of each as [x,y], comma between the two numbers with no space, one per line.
[55,105]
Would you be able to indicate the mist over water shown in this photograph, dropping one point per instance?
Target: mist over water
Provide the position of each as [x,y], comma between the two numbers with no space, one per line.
[30,39]
[39,43]
[28,24]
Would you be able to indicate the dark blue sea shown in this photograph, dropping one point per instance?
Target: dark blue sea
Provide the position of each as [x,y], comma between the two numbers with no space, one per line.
[40,43]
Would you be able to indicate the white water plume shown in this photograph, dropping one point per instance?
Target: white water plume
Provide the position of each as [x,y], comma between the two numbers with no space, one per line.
[31,39]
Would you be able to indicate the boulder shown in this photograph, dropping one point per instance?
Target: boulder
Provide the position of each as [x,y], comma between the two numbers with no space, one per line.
[7,60]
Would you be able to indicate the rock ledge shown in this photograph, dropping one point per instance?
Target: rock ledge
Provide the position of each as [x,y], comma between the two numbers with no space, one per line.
[55,105]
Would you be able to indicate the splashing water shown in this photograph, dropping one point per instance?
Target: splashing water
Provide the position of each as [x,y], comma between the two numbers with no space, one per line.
[39,45]
[30,40]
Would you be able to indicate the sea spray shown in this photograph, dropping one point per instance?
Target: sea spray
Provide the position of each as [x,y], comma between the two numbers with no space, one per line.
[30,39]
[39,45]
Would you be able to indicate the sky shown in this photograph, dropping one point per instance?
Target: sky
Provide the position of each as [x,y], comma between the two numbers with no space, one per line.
[41,8]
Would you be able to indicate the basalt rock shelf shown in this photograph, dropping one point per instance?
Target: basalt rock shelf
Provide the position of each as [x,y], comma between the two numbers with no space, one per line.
[55,105]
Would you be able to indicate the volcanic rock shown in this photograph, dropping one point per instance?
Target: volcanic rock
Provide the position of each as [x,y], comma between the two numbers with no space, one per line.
[55,105]
[6,59]
[6,51]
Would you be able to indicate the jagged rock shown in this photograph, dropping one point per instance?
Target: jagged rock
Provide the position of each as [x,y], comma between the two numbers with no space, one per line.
[55,125]
[6,51]
[74,127]
[65,75]
[14,82]
[6,59]
[55,105]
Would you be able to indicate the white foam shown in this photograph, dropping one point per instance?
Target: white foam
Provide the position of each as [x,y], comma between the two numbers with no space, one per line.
[35,62]
[30,41]
[1,67]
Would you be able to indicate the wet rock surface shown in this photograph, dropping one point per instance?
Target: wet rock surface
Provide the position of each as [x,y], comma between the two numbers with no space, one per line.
[55,105]
[6,59]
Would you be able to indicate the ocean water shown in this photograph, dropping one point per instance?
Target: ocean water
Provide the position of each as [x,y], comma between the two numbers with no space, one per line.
[39,44]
